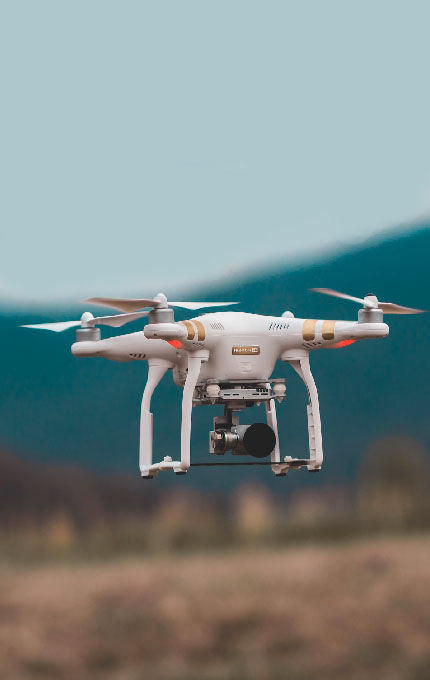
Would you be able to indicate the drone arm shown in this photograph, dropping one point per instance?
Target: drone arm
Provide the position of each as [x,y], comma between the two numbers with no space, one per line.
[156,372]
[302,367]
[194,364]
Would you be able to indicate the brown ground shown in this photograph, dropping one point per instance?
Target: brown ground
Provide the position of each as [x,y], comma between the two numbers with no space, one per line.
[359,610]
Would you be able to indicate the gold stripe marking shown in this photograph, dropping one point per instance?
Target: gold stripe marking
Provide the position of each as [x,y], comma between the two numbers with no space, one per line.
[190,328]
[200,329]
[328,330]
[308,330]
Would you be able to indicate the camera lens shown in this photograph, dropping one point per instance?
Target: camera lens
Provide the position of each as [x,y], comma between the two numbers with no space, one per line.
[259,440]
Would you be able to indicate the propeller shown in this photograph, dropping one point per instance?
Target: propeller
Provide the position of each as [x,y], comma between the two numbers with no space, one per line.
[371,302]
[129,306]
[88,321]
[158,302]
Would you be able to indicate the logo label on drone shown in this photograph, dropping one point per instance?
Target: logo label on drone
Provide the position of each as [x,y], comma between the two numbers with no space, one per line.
[245,349]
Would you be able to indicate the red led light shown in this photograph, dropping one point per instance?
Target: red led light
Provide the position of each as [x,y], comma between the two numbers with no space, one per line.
[342,343]
[175,343]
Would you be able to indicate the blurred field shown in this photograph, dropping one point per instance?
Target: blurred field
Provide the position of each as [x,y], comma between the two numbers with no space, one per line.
[103,579]
[355,610]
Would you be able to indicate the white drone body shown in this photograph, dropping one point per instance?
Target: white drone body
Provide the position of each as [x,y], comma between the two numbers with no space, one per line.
[225,358]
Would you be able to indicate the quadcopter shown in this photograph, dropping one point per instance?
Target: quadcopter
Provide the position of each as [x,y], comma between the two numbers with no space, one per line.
[226,359]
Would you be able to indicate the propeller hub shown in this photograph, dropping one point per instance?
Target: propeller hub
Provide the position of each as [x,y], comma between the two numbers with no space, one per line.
[85,319]
[87,332]
[162,300]
[370,301]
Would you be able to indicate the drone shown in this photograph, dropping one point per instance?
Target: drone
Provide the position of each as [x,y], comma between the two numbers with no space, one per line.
[226,359]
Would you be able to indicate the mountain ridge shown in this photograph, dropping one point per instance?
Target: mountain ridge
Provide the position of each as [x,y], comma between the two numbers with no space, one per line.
[281,263]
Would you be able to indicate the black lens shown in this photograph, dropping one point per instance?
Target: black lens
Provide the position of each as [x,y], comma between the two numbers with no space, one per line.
[259,440]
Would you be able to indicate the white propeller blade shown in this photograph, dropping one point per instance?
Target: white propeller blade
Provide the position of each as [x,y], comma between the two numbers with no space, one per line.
[200,305]
[335,293]
[134,304]
[391,308]
[117,320]
[57,326]
[371,302]
[124,304]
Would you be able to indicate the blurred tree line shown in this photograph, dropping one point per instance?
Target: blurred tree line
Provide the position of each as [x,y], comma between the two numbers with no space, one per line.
[54,510]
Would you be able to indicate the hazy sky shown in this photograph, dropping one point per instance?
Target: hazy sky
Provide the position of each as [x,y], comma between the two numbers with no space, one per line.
[146,144]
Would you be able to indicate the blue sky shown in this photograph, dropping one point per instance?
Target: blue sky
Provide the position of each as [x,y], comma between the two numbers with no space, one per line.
[146,145]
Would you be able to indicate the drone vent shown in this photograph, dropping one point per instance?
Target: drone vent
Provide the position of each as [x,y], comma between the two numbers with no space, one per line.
[217,326]
[278,326]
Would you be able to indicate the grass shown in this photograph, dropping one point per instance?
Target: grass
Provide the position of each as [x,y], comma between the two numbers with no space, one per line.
[353,610]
